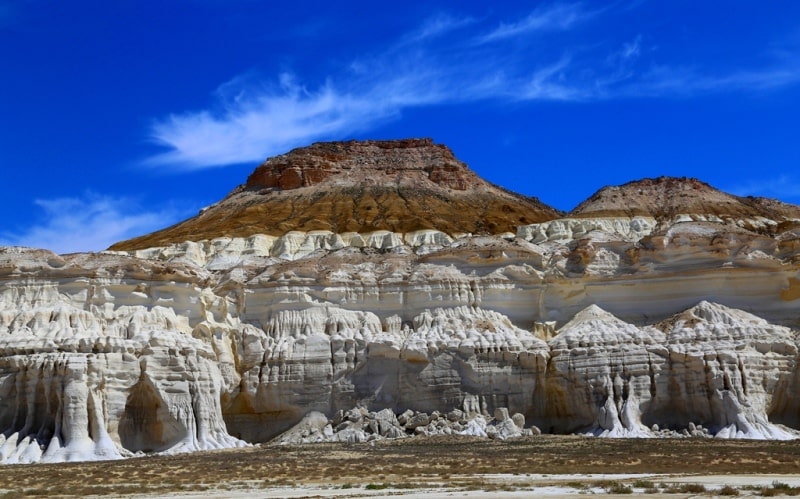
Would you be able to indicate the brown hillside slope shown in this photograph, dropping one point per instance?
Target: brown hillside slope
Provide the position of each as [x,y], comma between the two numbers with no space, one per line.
[665,197]
[358,186]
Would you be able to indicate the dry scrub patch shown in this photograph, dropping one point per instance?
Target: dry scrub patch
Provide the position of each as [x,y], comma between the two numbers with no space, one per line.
[409,463]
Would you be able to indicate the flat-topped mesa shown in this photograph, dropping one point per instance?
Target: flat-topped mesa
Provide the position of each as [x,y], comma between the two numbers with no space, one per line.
[401,186]
[365,162]
[666,197]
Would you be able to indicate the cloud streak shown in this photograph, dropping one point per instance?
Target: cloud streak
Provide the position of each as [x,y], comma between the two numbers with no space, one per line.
[265,122]
[428,67]
[251,122]
[675,81]
[91,223]
[555,17]
[437,26]
[254,124]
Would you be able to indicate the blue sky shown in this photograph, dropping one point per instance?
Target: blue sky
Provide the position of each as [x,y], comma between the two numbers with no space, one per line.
[119,118]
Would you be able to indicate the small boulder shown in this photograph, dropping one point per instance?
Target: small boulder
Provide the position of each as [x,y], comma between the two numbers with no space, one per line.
[417,420]
[353,415]
[405,416]
[501,414]
[455,415]
[476,427]
[338,418]
[393,432]
[507,429]
[343,426]
[350,436]
[373,427]
[386,421]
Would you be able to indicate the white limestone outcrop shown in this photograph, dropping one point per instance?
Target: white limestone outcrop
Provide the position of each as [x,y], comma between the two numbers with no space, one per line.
[711,366]
[612,327]
[560,267]
[728,365]
[227,252]
[571,229]
[326,358]
[84,378]
[600,375]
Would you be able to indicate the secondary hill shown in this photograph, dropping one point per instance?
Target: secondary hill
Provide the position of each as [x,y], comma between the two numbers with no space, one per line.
[665,197]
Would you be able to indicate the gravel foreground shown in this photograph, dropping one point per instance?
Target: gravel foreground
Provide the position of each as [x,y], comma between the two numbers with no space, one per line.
[554,466]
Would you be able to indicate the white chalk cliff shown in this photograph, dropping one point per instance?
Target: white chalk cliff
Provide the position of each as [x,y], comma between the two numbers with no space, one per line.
[639,314]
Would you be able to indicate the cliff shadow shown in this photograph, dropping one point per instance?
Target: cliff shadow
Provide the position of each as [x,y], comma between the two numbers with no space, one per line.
[147,425]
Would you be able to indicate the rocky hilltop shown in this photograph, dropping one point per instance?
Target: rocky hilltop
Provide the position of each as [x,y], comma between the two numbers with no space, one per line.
[399,186]
[666,197]
[659,308]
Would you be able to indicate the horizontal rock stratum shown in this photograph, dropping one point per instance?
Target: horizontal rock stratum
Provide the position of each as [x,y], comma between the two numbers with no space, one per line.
[658,308]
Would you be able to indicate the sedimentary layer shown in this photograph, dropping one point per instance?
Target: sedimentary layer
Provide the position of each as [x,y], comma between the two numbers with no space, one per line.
[218,343]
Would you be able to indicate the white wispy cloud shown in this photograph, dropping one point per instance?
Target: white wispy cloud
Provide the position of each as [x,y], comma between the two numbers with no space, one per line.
[546,18]
[686,81]
[763,79]
[258,124]
[551,83]
[436,26]
[89,223]
[632,49]
[262,122]
[250,121]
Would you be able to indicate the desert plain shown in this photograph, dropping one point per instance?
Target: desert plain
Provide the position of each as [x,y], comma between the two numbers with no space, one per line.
[554,466]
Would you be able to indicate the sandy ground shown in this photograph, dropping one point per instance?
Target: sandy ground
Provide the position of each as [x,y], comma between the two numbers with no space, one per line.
[548,466]
[552,486]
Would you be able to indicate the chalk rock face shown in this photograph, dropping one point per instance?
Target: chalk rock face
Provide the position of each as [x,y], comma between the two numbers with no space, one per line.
[710,366]
[609,365]
[725,370]
[327,359]
[354,291]
[81,380]
[570,229]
